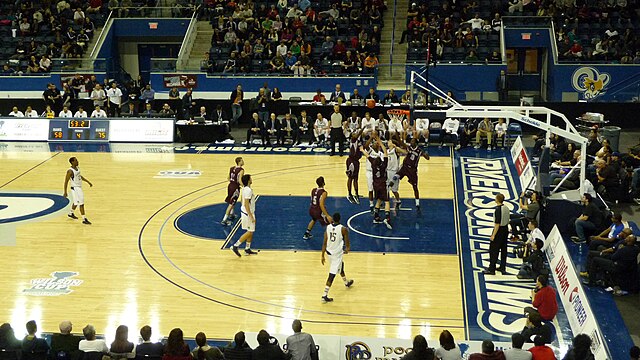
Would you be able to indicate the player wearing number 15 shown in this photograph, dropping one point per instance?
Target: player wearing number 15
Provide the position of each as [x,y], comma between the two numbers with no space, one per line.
[317,209]
[73,175]
[248,219]
[336,243]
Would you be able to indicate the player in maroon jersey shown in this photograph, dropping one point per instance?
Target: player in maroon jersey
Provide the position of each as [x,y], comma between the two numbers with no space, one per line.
[233,190]
[317,210]
[410,169]
[353,166]
[380,190]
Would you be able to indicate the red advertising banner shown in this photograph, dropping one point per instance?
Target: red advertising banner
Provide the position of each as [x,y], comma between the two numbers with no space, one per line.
[181,81]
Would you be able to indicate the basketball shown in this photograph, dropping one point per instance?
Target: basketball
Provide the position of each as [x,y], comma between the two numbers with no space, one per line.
[371,103]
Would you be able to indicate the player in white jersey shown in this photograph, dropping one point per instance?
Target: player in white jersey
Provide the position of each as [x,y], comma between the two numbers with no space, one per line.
[336,243]
[368,170]
[248,210]
[393,166]
[76,179]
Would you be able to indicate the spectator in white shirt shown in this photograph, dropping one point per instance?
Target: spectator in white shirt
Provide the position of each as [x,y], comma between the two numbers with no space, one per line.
[80,114]
[422,129]
[98,96]
[321,129]
[98,113]
[368,124]
[282,49]
[91,344]
[115,100]
[501,131]
[450,130]
[396,128]
[30,112]
[78,16]
[476,23]
[448,349]
[16,113]
[65,112]
[516,352]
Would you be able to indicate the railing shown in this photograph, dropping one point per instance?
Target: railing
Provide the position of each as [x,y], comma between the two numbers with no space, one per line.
[152,12]
[393,36]
[100,40]
[64,65]
[164,64]
[189,40]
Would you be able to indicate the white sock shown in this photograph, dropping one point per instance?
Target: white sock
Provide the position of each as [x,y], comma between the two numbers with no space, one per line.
[84,217]
[370,203]
[326,290]
[417,202]
[238,243]
[225,217]
[344,278]
[248,246]
[71,212]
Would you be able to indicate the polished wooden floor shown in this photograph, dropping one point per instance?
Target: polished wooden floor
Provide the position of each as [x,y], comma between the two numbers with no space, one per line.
[195,285]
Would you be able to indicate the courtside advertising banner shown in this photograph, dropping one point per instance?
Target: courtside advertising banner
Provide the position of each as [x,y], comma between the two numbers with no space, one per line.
[574,300]
[365,348]
[24,129]
[522,164]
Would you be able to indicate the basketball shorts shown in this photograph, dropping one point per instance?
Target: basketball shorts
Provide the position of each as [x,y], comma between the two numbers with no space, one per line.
[380,192]
[335,262]
[247,224]
[353,168]
[410,173]
[317,215]
[233,192]
[78,195]
[369,180]
[390,175]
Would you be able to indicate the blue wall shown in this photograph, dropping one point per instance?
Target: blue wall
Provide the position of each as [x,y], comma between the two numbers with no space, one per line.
[621,82]
[459,78]
[288,84]
[140,29]
[539,38]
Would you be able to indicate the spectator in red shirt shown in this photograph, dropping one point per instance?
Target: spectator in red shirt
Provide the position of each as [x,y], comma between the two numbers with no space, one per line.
[319,97]
[339,50]
[540,351]
[544,299]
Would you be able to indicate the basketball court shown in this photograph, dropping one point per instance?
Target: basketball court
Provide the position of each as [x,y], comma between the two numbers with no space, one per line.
[156,253]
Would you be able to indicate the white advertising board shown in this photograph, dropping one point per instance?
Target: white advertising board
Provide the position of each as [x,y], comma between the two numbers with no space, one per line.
[141,130]
[522,164]
[363,348]
[24,129]
[572,295]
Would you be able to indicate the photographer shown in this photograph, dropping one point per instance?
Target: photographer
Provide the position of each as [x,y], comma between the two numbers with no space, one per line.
[529,211]
[533,264]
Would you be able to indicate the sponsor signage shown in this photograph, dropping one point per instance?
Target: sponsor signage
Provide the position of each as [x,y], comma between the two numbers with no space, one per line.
[178,174]
[58,283]
[141,130]
[365,348]
[181,81]
[24,129]
[572,295]
[523,165]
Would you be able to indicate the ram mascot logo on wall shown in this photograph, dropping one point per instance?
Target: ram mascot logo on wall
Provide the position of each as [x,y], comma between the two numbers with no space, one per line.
[590,82]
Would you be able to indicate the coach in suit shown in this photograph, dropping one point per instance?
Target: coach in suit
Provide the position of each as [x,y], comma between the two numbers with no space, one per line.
[221,119]
[289,129]
[498,237]
[257,127]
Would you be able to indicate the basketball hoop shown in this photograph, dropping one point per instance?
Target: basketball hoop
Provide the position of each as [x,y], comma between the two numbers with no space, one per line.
[399,114]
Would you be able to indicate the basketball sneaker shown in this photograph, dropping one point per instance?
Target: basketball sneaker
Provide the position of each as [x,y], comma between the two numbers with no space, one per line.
[307,236]
[349,283]
[86,222]
[225,223]
[233,216]
[250,252]
[235,251]
[327,299]
[387,223]
[350,198]
[377,220]
[356,198]
[398,204]
[72,216]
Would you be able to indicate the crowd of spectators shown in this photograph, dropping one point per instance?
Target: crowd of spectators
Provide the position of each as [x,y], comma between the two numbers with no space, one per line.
[467,30]
[294,37]
[299,346]
[459,30]
[35,32]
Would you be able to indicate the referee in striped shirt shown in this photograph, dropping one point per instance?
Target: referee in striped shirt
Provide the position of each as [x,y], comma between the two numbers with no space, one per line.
[337,135]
